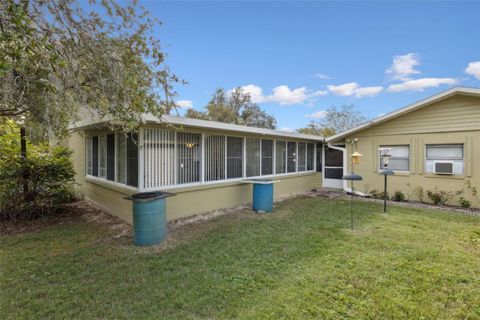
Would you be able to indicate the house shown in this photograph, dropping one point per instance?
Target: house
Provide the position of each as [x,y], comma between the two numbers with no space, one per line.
[204,162]
[435,143]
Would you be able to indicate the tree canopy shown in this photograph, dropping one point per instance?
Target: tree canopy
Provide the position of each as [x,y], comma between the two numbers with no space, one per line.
[335,121]
[235,107]
[62,58]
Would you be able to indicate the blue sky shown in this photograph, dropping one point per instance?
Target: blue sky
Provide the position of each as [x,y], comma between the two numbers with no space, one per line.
[299,58]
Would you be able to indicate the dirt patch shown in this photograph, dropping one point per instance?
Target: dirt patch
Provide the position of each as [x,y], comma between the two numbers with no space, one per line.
[66,215]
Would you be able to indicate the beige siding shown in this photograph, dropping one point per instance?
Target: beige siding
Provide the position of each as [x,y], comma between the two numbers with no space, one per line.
[458,113]
[189,200]
[455,120]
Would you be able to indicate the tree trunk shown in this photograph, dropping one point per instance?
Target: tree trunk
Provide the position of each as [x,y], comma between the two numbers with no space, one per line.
[23,154]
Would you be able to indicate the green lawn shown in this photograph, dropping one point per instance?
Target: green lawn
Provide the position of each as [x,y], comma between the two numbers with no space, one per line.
[302,261]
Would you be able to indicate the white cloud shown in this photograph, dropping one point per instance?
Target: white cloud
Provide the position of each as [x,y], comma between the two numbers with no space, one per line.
[354,89]
[187,104]
[403,67]
[317,115]
[282,95]
[473,69]
[420,84]
[321,76]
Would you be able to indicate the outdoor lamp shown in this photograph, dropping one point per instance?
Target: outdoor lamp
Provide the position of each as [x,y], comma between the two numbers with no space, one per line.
[356,157]
[385,153]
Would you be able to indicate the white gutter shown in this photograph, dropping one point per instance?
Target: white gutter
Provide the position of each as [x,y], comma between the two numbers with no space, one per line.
[346,188]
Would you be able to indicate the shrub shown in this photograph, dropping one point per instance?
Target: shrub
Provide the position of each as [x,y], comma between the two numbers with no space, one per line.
[441,196]
[381,195]
[474,191]
[417,191]
[373,193]
[398,196]
[49,174]
[464,202]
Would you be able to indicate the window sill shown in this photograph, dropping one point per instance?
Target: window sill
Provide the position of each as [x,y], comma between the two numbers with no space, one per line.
[444,176]
[127,190]
[226,183]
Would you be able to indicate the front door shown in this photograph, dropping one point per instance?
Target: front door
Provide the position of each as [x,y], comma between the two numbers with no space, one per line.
[333,168]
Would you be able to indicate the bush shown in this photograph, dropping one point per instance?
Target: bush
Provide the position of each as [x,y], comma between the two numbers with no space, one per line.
[464,202]
[373,193]
[49,172]
[381,195]
[417,191]
[398,196]
[442,197]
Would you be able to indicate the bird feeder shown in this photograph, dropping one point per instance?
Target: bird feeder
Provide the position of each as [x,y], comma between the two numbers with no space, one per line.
[356,157]
[385,154]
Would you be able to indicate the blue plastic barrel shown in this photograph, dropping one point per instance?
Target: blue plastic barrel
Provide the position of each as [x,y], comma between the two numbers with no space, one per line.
[263,197]
[149,218]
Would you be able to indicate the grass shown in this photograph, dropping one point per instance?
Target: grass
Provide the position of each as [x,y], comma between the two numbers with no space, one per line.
[302,261]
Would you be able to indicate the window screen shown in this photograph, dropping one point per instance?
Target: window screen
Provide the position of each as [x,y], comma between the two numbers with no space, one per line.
[111,157]
[291,156]
[132,160]
[95,156]
[310,155]
[267,157]
[88,152]
[280,157]
[214,157]
[319,157]
[159,157]
[188,157]
[400,159]
[302,165]
[234,157]
[253,157]
[121,158]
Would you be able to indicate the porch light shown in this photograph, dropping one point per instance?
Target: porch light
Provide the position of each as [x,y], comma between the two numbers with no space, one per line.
[189,145]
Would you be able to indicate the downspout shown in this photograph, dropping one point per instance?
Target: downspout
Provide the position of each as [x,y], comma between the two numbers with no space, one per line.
[346,188]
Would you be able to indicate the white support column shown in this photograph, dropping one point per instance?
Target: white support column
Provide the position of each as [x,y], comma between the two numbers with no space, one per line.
[141,157]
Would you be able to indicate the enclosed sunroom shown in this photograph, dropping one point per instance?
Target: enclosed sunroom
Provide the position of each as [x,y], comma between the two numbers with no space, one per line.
[205,163]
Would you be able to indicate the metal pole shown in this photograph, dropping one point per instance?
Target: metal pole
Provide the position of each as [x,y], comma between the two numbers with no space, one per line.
[351,204]
[385,196]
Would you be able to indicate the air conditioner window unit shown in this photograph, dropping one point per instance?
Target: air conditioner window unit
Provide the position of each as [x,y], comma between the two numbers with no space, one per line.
[443,167]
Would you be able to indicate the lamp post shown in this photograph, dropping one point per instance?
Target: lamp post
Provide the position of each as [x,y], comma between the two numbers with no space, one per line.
[385,154]
[355,159]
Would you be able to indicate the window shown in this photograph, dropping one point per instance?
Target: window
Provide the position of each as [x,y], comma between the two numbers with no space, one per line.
[88,152]
[214,157]
[291,156]
[302,156]
[234,157]
[444,153]
[319,157]
[188,157]
[267,157]
[400,159]
[253,157]
[111,157]
[95,156]
[159,157]
[121,158]
[280,156]
[310,156]
[132,160]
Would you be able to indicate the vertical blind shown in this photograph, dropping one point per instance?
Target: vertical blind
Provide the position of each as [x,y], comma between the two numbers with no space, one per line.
[171,158]
[159,158]
[234,157]
[189,157]
[215,157]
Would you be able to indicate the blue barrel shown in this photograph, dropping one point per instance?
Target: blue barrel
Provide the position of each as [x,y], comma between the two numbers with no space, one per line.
[149,218]
[263,197]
